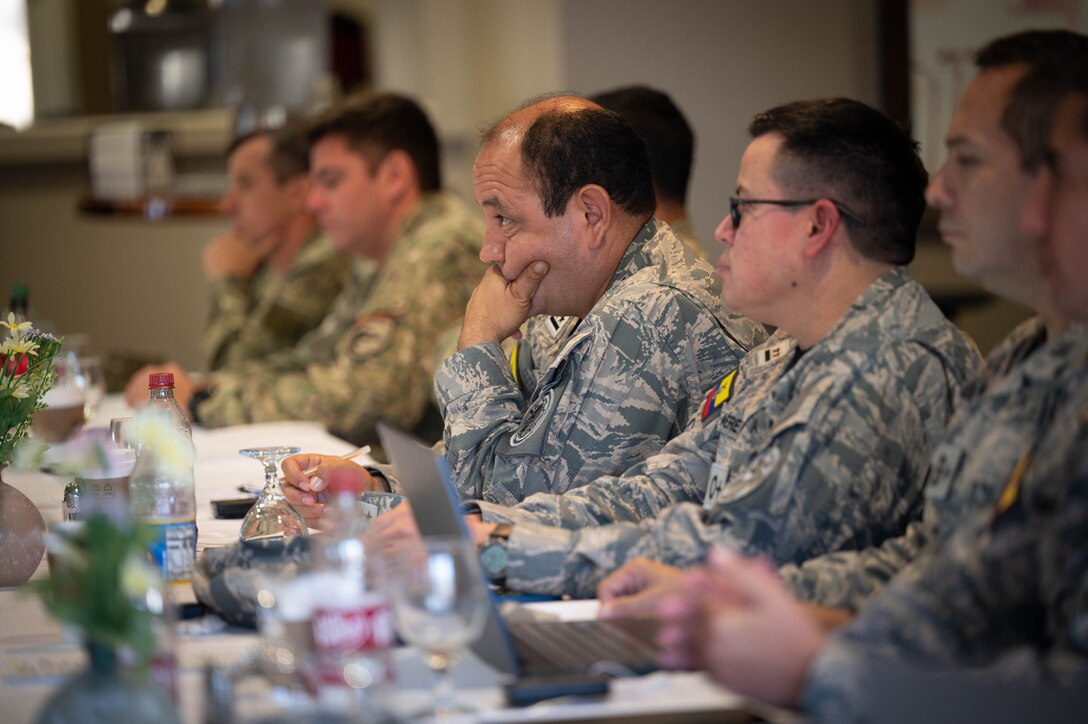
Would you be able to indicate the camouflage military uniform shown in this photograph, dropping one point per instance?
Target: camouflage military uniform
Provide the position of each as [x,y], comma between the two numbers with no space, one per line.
[373,355]
[1006,597]
[686,232]
[614,387]
[1010,411]
[800,454]
[249,319]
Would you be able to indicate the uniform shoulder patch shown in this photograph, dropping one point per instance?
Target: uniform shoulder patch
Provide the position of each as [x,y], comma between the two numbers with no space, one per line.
[534,418]
[719,395]
[372,334]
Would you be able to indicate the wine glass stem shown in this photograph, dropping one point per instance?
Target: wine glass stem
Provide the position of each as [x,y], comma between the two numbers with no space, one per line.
[271,477]
[444,703]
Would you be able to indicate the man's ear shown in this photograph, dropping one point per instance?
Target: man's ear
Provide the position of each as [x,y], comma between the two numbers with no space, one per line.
[592,209]
[824,220]
[396,174]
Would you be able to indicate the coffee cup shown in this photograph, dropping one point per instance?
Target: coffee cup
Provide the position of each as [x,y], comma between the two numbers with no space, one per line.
[108,486]
[62,416]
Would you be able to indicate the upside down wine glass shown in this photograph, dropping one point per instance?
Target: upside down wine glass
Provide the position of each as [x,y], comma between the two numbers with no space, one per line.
[271,516]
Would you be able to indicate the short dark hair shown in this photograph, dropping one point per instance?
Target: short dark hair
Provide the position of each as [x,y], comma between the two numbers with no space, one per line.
[855,155]
[288,153]
[1052,57]
[564,150]
[668,137]
[375,124]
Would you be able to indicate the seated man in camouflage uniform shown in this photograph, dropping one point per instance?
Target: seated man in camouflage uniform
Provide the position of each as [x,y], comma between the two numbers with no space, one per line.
[376,192]
[816,442]
[566,185]
[1001,602]
[272,278]
[1026,377]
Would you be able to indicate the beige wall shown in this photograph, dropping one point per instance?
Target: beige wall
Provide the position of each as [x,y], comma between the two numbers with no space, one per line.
[129,283]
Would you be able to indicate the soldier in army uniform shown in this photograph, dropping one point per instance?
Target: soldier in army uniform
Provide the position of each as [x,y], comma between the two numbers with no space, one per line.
[272,278]
[1004,600]
[817,440]
[1027,377]
[376,192]
[644,333]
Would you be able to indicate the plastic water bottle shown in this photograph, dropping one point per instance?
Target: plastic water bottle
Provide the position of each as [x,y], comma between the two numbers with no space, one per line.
[20,302]
[163,495]
[161,386]
[351,618]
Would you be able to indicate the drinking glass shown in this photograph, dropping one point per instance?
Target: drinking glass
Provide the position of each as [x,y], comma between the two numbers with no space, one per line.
[439,606]
[123,433]
[271,516]
[64,411]
[94,382]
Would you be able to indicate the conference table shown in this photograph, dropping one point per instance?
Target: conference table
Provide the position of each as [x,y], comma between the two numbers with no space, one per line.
[36,655]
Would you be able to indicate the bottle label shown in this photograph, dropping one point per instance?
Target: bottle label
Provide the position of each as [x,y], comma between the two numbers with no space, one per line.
[164,674]
[361,634]
[173,550]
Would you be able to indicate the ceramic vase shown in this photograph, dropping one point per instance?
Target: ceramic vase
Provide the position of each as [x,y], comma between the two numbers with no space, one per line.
[22,535]
[106,694]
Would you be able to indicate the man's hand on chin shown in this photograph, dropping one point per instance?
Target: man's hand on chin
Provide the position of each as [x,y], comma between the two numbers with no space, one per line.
[498,307]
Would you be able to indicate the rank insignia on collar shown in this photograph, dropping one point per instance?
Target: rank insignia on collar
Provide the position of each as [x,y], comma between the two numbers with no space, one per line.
[718,395]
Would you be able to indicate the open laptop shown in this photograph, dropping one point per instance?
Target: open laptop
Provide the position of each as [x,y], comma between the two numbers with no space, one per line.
[522,648]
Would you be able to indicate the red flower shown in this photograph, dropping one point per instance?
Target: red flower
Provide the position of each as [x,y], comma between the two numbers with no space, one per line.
[15,365]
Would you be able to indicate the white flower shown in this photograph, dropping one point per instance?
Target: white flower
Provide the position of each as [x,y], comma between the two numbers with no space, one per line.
[21,391]
[19,327]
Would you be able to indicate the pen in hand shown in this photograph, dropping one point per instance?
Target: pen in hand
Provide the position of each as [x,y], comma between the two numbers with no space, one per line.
[365,449]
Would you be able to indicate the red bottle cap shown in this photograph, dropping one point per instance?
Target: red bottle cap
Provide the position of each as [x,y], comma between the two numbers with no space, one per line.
[344,480]
[158,380]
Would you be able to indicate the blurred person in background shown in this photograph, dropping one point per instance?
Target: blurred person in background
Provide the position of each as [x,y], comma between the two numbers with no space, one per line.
[376,192]
[670,143]
[272,277]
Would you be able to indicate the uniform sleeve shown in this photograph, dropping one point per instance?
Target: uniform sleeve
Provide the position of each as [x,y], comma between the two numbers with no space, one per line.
[847,579]
[251,321]
[382,364]
[678,473]
[229,304]
[623,391]
[840,470]
[291,307]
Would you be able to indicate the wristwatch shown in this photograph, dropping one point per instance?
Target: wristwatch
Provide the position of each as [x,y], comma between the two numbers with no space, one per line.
[494,555]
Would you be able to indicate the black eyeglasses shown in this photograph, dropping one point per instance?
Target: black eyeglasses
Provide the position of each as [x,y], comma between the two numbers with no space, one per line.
[735,204]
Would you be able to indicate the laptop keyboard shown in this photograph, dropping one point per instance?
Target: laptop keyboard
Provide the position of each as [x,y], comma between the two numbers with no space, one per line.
[547,647]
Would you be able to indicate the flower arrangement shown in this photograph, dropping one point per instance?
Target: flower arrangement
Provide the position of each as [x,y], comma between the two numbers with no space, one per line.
[27,372]
[104,584]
